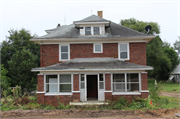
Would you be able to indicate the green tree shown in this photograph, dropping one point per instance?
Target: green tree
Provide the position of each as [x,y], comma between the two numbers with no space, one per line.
[5,80]
[140,25]
[20,67]
[17,40]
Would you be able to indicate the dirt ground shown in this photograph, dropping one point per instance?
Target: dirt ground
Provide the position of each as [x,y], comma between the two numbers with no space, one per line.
[105,114]
[170,94]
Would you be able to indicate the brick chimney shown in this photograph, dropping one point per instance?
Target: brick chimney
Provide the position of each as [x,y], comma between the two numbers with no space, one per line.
[100,14]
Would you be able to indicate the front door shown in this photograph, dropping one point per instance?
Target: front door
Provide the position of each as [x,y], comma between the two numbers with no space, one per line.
[92,88]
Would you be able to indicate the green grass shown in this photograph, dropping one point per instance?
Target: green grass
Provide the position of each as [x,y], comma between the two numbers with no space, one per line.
[173,102]
[166,87]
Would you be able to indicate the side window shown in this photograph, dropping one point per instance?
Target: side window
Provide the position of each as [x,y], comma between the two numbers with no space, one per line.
[98,48]
[96,31]
[124,51]
[64,52]
[87,30]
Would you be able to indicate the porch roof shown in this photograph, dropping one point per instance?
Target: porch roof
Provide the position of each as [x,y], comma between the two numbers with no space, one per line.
[79,64]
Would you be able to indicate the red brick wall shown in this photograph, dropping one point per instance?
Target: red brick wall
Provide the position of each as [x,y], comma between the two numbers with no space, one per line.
[76,97]
[144,94]
[50,53]
[107,82]
[65,99]
[127,97]
[137,53]
[108,96]
[76,82]
[144,82]
[40,82]
[40,98]
[86,51]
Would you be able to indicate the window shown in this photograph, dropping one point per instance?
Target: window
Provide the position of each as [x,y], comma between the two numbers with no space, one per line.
[65,83]
[87,30]
[55,84]
[118,83]
[126,82]
[51,83]
[96,31]
[101,81]
[98,48]
[124,51]
[64,52]
[82,81]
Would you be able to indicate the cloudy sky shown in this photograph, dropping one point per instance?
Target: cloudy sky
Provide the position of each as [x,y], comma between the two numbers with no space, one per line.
[39,15]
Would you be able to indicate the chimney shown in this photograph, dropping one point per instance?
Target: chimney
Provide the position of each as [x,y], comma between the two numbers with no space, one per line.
[58,25]
[100,14]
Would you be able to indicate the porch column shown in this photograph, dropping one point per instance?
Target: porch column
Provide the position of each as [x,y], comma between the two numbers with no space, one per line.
[76,92]
[144,85]
[40,91]
[108,91]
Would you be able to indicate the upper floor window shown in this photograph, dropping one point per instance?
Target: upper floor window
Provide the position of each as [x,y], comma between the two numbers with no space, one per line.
[124,51]
[87,30]
[64,52]
[98,48]
[96,31]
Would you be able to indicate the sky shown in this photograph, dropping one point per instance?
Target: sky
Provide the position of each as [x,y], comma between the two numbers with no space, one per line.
[40,15]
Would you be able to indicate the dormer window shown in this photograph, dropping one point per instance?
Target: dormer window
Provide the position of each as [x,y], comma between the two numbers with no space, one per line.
[96,31]
[87,30]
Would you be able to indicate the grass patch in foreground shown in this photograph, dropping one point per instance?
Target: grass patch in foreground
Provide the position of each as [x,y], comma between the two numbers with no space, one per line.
[166,87]
[172,102]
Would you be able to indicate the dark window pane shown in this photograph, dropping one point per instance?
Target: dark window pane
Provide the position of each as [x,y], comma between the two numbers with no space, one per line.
[64,56]
[98,48]
[65,88]
[132,78]
[87,30]
[64,48]
[118,78]
[100,77]
[96,31]
[65,78]
[123,55]
[51,77]
[82,77]
[132,87]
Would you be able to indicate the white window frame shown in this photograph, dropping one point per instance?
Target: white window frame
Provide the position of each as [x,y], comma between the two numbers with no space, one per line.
[64,83]
[128,53]
[126,90]
[67,52]
[58,93]
[94,51]
[81,82]
[101,81]
[92,29]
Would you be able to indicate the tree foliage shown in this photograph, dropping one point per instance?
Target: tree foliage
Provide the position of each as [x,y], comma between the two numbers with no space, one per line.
[177,46]
[20,67]
[5,80]
[159,54]
[17,41]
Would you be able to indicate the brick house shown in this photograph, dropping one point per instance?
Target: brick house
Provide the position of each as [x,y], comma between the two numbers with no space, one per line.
[92,59]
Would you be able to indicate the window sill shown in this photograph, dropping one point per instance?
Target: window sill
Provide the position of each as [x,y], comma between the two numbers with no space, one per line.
[53,94]
[128,93]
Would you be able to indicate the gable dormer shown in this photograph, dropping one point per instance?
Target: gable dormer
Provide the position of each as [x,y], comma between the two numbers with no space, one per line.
[92,25]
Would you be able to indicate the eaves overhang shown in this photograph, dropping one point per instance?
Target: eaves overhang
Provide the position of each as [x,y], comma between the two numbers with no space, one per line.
[120,69]
[92,39]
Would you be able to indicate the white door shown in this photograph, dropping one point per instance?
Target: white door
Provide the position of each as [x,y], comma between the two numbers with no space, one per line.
[82,87]
[101,87]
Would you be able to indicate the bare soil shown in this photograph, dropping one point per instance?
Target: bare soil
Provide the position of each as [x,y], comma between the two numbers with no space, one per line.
[170,94]
[109,114]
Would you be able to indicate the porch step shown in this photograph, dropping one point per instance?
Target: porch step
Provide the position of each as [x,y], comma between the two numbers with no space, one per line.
[89,104]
